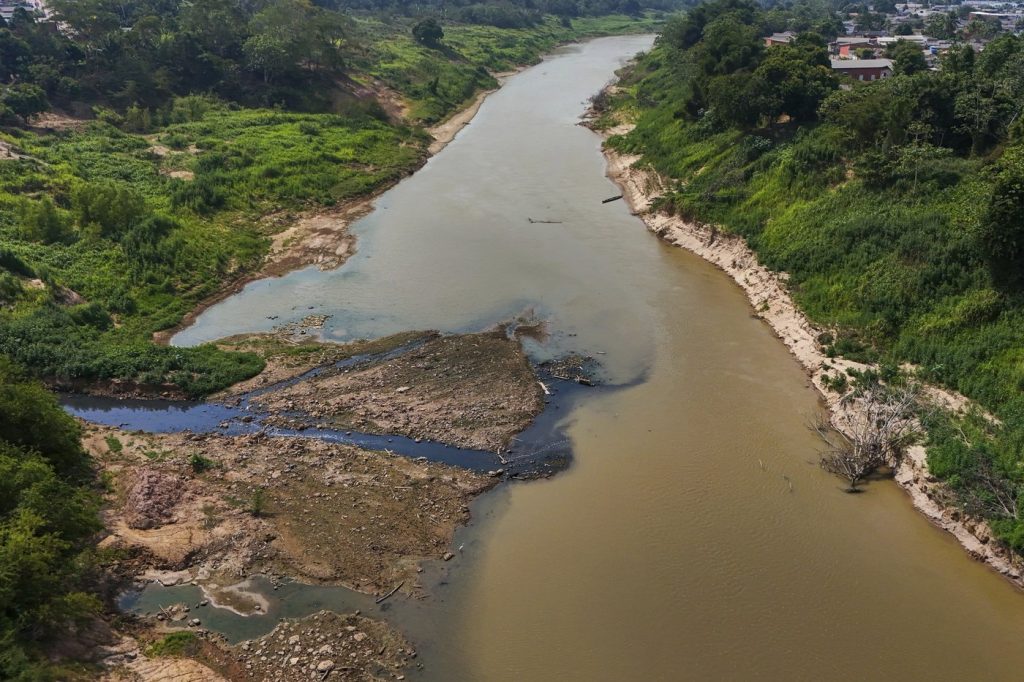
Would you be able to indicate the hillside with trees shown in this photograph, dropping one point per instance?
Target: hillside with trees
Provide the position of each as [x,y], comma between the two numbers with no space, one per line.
[894,206]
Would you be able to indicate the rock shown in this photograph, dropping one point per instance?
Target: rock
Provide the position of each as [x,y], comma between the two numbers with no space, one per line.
[194,622]
[325,666]
[151,499]
[359,636]
[447,556]
[293,640]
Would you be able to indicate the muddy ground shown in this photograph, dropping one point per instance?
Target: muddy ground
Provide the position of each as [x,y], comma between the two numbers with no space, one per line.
[227,507]
[473,391]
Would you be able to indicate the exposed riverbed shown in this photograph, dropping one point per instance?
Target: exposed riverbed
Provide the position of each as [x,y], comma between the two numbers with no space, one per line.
[694,537]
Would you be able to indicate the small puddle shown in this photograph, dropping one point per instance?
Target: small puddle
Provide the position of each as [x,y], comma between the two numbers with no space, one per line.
[286,600]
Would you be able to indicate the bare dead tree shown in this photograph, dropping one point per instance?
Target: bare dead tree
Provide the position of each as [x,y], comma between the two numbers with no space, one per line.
[873,425]
[992,494]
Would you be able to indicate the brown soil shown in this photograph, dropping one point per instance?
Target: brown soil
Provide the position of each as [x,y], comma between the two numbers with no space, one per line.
[329,513]
[143,669]
[322,646]
[474,391]
[53,121]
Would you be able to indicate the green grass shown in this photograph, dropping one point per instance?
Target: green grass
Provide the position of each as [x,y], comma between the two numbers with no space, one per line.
[174,644]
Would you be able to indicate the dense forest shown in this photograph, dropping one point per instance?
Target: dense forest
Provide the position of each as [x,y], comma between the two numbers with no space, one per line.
[148,152]
[47,563]
[895,206]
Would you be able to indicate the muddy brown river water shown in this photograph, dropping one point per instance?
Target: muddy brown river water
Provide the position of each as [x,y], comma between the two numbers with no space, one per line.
[694,537]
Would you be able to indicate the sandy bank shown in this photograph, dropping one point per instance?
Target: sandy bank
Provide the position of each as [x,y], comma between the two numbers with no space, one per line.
[445,132]
[769,295]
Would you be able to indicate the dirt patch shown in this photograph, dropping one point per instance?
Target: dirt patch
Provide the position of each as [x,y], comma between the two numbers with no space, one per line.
[581,369]
[144,669]
[52,121]
[322,512]
[475,391]
[318,238]
[9,151]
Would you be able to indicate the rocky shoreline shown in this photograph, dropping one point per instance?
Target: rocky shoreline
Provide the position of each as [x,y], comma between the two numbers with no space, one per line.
[769,296]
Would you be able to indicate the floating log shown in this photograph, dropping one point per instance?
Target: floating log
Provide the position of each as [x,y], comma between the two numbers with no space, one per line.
[545,222]
[611,199]
[397,587]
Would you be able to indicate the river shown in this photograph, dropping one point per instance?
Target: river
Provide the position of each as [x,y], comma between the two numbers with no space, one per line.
[694,536]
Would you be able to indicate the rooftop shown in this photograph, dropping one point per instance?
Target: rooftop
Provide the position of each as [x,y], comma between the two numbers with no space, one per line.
[861,63]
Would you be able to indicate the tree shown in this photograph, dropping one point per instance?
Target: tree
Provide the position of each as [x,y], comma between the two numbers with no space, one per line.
[740,99]
[874,425]
[14,55]
[941,26]
[267,54]
[1002,235]
[908,57]
[47,515]
[428,32]
[982,28]
[798,76]
[728,45]
[41,222]
[24,99]
[869,21]
[108,210]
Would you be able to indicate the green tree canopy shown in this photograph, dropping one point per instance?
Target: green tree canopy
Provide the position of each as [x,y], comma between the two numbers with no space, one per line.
[428,32]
